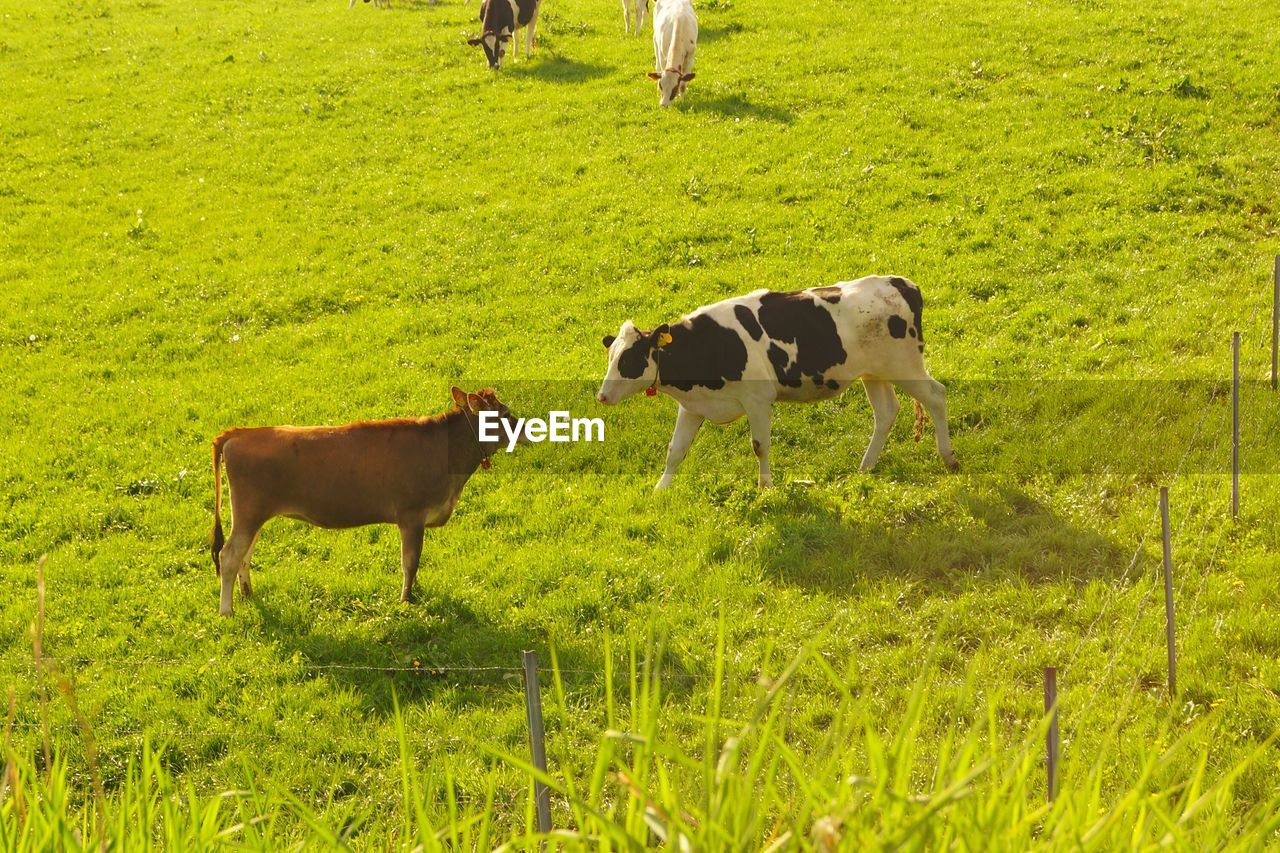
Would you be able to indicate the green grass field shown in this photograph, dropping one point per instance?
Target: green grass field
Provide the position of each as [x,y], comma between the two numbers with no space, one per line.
[234,213]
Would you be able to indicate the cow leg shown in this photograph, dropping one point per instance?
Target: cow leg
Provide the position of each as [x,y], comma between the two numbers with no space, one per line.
[246,589]
[933,396]
[533,25]
[687,426]
[626,16]
[759,417]
[233,555]
[410,556]
[884,404]
[641,9]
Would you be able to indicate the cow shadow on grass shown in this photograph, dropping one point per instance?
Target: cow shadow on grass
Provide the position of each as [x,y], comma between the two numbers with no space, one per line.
[989,532]
[438,646]
[558,69]
[736,106]
[413,5]
[709,34]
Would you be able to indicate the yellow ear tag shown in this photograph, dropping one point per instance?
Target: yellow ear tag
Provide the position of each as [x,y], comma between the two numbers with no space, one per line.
[664,339]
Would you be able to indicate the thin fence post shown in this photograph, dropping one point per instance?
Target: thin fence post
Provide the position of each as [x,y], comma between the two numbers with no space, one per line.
[1051,737]
[1168,592]
[1235,424]
[537,745]
[1275,322]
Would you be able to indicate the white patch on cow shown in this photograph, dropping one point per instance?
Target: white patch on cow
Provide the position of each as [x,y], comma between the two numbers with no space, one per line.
[789,347]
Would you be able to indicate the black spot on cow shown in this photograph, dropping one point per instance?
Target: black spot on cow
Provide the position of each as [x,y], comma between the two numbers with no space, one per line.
[912,331]
[748,321]
[914,301]
[755,445]
[634,360]
[833,385]
[702,352]
[795,318]
[897,326]
[830,293]
[787,373]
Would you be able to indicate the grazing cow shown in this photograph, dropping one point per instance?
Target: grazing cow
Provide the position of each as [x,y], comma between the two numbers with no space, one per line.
[407,472]
[675,38]
[741,355]
[501,19]
[636,9]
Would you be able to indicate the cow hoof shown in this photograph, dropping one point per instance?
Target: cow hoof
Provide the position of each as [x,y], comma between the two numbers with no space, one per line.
[662,486]
[765,484]
[224,612]
[246,591]
[953,465]
[408,598]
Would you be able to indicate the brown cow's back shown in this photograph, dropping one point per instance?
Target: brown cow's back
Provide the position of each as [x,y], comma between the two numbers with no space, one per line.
[346,476]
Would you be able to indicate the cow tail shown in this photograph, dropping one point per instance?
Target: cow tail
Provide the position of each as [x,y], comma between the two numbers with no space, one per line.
[215,536]
[919,430]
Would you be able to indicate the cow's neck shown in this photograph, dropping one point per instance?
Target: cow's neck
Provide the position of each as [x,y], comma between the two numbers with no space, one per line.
[466,453]
[658,354]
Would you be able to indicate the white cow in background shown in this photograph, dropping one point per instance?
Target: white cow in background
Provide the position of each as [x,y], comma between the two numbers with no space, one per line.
[637,10]
[675,38]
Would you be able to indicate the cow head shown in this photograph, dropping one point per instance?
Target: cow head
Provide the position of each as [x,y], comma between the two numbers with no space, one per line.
[671,84]
[633,361]
[486,400]
[494,44]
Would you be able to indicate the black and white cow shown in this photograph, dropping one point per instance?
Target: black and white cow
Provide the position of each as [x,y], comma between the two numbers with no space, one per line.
[742,355]
[501,20]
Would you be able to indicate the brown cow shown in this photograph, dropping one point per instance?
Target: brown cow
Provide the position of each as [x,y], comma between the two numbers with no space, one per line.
[407,472]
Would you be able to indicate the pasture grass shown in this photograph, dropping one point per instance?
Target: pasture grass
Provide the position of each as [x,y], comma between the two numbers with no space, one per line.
[748,788]
[234,213]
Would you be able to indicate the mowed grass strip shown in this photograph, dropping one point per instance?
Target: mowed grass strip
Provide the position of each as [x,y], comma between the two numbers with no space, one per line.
[244,213]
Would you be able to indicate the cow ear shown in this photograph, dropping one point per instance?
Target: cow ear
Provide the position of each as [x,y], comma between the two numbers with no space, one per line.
[459,396]
[685,78]
[474,402]
[608,341]
[474,42]
[654,75]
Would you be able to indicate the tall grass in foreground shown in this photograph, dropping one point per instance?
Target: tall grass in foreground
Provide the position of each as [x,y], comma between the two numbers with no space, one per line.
[717,783]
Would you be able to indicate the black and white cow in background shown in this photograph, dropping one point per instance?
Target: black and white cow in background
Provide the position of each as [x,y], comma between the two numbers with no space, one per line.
[742,355]
[501,20]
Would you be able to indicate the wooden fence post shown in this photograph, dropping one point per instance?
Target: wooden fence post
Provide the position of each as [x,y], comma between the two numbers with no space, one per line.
[1168,592]
[1275,322]
[1235,424]
[1051,737]
[537,744]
